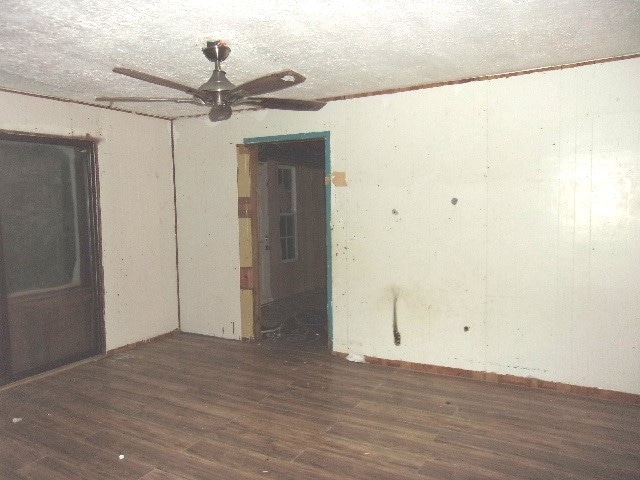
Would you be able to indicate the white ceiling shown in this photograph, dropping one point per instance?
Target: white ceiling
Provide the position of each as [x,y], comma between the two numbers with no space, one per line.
[67,48]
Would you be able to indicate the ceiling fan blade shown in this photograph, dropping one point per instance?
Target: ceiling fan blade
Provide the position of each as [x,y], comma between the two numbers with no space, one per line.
[268,83]
[146,77]
[148,99]
[283,103]
[219,112]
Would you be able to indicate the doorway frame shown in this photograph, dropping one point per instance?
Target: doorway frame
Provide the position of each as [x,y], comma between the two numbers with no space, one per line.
[326,136]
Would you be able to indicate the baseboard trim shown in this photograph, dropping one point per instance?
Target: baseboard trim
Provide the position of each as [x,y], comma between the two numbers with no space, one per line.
[49,373]
[505,379]
[69,366]
[131,346]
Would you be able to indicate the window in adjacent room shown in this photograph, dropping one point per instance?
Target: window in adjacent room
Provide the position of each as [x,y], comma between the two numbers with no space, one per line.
[287,200]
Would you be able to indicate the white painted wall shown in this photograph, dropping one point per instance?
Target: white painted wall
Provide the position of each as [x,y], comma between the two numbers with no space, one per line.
[136,201]
[207,206]
[540,257]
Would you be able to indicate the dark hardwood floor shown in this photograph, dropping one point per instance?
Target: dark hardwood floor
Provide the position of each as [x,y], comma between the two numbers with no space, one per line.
[191,407]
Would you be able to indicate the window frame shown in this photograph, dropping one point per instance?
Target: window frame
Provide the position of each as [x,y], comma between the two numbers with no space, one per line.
[292,215]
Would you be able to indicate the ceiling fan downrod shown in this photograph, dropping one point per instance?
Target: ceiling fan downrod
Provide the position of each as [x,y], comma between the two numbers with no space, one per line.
[218,84]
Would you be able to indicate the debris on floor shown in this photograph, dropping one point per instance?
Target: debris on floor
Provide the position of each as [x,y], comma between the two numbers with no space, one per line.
[356,357]
[299,330]
[16,419]
[300,320]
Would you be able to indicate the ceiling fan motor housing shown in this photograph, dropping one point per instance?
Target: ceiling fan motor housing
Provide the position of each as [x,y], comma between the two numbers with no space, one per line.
[217,87]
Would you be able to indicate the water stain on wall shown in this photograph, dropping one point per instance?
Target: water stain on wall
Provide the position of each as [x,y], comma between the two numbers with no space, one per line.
[396,332]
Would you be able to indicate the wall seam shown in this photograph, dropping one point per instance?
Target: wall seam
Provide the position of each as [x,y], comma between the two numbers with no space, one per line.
[175,220]
[486,230]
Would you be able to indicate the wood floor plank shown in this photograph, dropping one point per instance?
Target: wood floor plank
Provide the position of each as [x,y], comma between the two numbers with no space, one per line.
[160,475]
[257,463]
[197,375]
[394,457]
[381,421]
[128,425]
[143,451]
[460,469]
[189,416]
[360,469]
[16,453]
[449,460]
[167,460]
[250,439]
[424,416]
[192,407]
[402,438]
[7,473]
[561,462]
[53,416]
[53,468]
[74,451]
[195,468]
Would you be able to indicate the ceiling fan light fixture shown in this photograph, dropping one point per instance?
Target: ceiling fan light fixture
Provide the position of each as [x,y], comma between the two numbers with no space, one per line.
[219,113]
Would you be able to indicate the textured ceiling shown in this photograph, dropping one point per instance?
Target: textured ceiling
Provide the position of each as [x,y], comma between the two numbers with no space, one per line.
[66,48]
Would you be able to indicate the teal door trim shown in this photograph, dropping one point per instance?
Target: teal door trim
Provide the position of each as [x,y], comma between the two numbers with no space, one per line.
[327,173]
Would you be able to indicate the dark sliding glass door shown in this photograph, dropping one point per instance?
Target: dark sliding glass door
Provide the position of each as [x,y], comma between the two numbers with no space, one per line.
[50,278]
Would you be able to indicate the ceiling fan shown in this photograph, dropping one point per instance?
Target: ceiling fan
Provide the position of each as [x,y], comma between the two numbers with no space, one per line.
[220,94]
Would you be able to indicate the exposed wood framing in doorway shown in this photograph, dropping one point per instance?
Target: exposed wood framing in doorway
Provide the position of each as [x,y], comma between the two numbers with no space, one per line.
[249,252]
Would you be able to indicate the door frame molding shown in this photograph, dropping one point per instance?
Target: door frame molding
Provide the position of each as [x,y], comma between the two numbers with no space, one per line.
[5,344]
[326,136]
[263,221]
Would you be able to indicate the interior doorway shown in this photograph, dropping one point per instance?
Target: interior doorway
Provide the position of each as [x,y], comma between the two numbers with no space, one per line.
[292,243]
